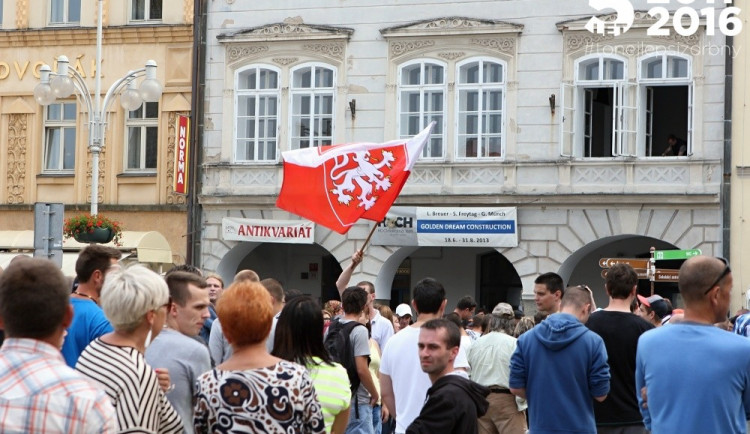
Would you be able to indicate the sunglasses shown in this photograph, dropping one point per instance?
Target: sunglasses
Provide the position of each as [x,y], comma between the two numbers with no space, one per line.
[723,274]
[591,293]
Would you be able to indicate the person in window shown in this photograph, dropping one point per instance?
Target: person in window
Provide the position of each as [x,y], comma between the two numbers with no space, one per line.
[676,147]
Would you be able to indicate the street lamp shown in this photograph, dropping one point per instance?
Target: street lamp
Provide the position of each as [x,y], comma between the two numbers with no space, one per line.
[63,82]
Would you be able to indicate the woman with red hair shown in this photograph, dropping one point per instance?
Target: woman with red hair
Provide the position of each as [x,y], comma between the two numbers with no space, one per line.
[252,391]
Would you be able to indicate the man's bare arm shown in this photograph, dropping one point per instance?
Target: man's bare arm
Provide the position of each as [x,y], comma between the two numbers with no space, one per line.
[386,394]
[521,393]
[346,274]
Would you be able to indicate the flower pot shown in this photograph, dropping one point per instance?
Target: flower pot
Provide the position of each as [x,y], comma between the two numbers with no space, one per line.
[99,235]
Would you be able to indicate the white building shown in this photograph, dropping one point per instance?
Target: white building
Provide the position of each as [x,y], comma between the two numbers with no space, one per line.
[533,112]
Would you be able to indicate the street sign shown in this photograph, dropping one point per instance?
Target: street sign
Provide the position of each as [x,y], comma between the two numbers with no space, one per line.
[666,275]
[664,255]
[635,263]
[641,272]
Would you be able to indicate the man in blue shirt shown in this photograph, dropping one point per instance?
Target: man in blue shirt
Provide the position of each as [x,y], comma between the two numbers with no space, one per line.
[560,367]
[696,377]
[89,321]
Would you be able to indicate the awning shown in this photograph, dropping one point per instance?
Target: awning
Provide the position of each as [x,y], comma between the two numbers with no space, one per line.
[147,247]
[68,264]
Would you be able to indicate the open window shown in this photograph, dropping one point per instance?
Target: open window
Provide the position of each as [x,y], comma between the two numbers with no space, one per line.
[666,94]
[597,120]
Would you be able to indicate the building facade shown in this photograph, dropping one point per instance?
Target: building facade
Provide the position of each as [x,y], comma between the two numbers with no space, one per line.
[44,149]
[535,111]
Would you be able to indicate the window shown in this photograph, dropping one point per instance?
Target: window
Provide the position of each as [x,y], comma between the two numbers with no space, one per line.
[481,93]
[60,137]
[142,144]
[608,112]
[598,120]
[144,10]
[257,105]
[421,93]
[65,11]
[666,94]
[312,93]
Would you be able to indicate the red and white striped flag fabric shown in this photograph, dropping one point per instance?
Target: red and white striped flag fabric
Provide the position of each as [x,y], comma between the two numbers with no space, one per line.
[337,185]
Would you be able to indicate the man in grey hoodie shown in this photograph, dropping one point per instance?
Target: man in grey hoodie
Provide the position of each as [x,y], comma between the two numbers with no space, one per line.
[454,403]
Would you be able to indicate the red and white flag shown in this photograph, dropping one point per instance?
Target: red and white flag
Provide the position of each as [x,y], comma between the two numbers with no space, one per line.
[335,186]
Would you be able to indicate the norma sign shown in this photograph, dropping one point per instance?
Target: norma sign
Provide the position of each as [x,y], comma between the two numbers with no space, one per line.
[666,255]
[181,155]
[635,263]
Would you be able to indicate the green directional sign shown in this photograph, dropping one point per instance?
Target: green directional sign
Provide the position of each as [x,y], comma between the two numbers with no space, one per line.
[662,255]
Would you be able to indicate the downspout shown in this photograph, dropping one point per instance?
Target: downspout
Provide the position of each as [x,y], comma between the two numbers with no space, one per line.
[726,180]
[198,86]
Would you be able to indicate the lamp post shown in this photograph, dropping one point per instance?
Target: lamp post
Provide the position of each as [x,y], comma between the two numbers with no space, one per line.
[63,82]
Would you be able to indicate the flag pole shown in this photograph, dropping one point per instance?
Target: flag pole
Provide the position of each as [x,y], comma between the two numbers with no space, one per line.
[367,240]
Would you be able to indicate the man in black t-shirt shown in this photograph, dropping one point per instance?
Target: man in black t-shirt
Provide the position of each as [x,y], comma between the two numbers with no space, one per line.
[620,330]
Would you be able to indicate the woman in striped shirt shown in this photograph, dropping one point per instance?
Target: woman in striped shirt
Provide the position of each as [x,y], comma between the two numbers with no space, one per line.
[135,300]
[299,338]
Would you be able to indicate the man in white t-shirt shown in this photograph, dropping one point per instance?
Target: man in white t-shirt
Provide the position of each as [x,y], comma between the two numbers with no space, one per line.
[403,384]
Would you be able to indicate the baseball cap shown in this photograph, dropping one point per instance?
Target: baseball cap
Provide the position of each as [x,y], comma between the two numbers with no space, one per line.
[403,309]
[649,300]
[657,305]
[503,309]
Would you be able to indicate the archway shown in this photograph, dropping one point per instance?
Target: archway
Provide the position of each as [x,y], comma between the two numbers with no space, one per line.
[582,266]
[482,273]
[307,267]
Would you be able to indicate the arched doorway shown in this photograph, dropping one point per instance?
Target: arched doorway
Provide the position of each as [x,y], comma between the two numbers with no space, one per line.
[307,267]
[582,267]
[482,273]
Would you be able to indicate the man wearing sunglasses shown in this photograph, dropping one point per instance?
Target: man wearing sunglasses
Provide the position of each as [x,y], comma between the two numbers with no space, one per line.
[694,377]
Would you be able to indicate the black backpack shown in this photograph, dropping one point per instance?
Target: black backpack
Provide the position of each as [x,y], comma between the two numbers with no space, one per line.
[339,346]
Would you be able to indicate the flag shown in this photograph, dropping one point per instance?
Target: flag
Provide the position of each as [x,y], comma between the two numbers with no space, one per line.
[335,186]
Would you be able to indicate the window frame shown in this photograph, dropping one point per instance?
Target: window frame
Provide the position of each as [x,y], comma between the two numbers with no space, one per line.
[146,12]
[238,93]
[621,95]
[66,7]
[422,87]
[62,124]
[644,83]
[481,87]
[313,92]
[143,123]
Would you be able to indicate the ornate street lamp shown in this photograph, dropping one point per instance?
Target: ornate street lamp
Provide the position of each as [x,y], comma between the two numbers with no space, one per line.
[63,82]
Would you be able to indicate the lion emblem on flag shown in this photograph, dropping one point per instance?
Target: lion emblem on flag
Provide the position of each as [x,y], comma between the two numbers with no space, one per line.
[360,175]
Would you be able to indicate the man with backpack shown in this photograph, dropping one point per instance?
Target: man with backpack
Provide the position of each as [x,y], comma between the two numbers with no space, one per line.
[347,340]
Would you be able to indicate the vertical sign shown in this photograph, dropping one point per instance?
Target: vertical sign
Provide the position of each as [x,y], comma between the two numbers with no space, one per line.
[181,155]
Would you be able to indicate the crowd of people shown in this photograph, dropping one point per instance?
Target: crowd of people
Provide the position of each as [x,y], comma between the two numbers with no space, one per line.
[128,350]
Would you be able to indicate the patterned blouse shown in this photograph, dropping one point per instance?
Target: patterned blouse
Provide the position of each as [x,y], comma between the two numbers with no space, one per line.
[276,399]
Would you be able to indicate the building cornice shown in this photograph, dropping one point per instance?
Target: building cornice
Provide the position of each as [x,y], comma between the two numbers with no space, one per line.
[451,26]
[71,36]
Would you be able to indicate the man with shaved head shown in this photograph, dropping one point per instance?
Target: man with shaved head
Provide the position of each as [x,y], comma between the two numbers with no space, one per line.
[693,377]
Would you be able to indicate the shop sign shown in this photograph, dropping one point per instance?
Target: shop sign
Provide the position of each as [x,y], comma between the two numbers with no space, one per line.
[398,228]
[467,227]
[268,231]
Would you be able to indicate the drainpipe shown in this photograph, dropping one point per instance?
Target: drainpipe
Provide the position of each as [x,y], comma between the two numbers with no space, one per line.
[194,210]
[726,179]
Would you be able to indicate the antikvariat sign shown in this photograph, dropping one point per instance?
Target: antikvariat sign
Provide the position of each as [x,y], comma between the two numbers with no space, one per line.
[268,231]
[446,227]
